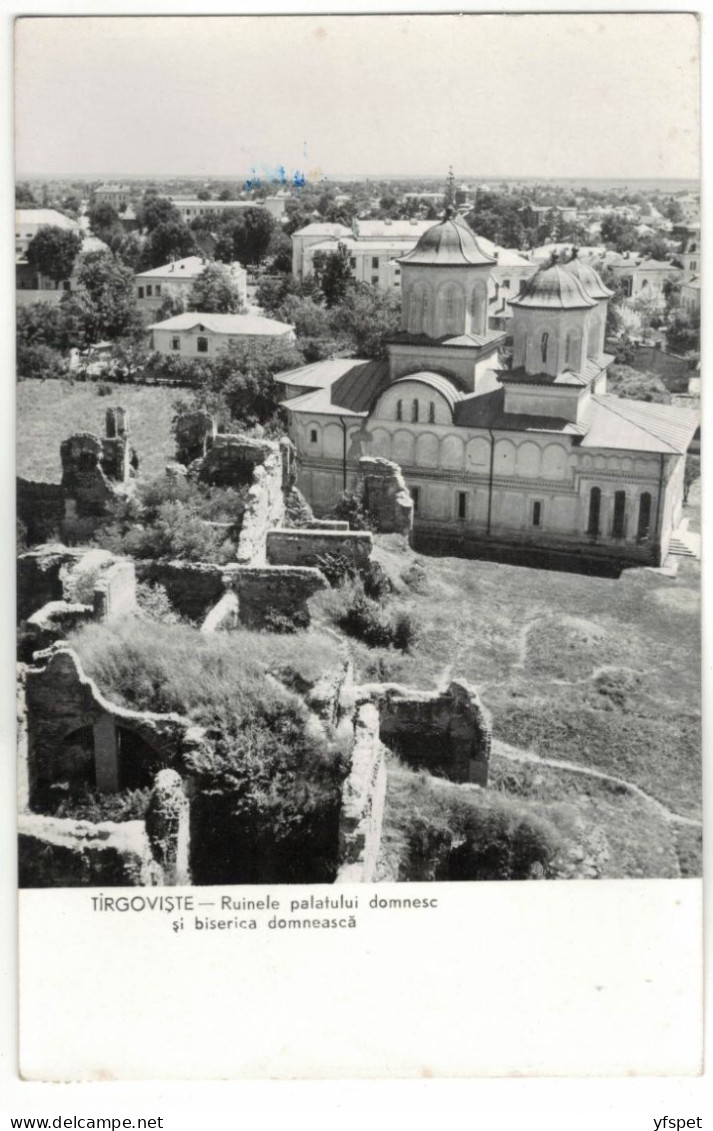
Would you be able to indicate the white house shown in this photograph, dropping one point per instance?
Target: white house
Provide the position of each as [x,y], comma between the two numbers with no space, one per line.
[643,278]
[535,456]
[178,277]
[196,335]
[28,222]
[118,196]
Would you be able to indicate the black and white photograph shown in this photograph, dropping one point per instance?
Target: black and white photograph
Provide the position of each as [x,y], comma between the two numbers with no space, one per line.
[358,449]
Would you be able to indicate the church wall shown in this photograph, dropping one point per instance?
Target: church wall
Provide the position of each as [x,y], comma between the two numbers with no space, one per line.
[459,363]
[444,300]
[432,405]
[547,400]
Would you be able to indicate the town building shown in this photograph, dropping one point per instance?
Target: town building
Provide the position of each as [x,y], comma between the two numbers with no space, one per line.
[528,456]
[177,278]
[195,335]
[643,278]
[376,248]
[28,222]
[33,286]
[689,242]
[118,196]
[190,208]
[691,294]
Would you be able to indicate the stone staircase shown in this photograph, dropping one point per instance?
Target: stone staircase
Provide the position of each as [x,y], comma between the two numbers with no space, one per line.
[685,543]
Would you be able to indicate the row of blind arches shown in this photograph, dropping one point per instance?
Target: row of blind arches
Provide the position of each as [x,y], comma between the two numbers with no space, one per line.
[619,519]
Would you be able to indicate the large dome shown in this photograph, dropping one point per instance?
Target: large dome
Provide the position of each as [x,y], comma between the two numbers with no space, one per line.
[450,243]
[553,288]
[588,277]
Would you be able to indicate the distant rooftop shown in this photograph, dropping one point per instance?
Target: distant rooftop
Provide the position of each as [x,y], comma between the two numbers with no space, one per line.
[248,324]
[44,216]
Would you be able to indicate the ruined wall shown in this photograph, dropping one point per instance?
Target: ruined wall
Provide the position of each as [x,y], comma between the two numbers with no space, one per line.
[62,702]
[363,796]
[264,510]
[40,508]
[446,732]
[193,588]
[168,827]
[385,496]
[275,596]
[39,576]
[308,547]
[57,852]
[195,434]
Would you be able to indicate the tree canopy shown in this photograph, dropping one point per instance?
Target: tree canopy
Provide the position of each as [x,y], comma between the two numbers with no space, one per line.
[53,252]
[246,237]
[215,291]
[169,240]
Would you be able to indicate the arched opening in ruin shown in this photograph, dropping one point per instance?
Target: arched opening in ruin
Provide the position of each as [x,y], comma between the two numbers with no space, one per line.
[75,758]
[138,762]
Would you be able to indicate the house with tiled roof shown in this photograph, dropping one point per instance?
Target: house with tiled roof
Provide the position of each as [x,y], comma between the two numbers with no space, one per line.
[178,277]
[500,453]
[199,336]
[643,278]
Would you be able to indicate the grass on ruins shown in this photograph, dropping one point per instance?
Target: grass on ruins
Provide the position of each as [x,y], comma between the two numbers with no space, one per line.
[601,673]
[50,411]
[267,780]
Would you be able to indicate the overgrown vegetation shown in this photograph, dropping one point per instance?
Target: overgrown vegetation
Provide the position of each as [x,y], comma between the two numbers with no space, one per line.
[175,518]
[436,830]
[268,781]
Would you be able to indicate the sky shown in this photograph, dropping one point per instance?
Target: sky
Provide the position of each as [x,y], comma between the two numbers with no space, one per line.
[598,95]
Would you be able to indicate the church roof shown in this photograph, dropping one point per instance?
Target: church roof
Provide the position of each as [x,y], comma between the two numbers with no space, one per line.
[639,426]
[351,394]
[581,377]
[489,338]
[553,288]
[589,278]
[436,381]
[487,410]
[450,243]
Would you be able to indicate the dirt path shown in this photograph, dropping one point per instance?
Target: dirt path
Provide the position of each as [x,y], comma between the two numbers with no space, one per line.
[516,754]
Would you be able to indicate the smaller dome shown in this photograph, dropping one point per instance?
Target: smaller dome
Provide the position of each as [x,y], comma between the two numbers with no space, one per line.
[553,287]
[588,277]
[450,243]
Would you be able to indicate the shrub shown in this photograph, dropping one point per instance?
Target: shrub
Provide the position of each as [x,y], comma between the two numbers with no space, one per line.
[376,626]
[104,389]
[350,508]
[155,604]
[267,784]
[39,362]
[87,803]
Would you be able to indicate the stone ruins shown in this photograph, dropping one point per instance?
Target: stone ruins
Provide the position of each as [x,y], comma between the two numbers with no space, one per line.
[64,720]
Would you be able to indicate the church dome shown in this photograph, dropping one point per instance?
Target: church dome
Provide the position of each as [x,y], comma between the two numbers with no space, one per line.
[588,277]
[450,243]
[553,288]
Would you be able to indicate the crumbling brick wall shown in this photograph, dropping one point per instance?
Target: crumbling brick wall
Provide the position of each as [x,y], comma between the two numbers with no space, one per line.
[59,852]
[309,547]
[195,434]
[276,596]
[447,732]
[193,588]
[363,795]
[62,701]
[385,496]
[40,509]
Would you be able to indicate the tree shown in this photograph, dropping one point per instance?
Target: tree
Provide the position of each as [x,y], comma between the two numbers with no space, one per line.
[280,251]
[369,316]
[648,308]
[672,211]
[215,291]
[157,210]
[53,252]
[224,194]
[245,238]
[334,274]
[173,302]
[109,287]
[167,241]
[203,194]
[653,247]
[672,293]
[104,220]
[40,324]
[24,197]
[618,232]
[683,334]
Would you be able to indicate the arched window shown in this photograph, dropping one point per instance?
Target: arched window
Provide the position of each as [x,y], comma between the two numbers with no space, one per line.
[414,411]
[543,346]
[595,508]
[432,413]
[644,516]
[619,525]
[424,312]
[450,303]
[399,410]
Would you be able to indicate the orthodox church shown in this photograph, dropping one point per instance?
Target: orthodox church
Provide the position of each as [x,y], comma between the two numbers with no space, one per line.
[509,440]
